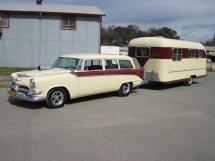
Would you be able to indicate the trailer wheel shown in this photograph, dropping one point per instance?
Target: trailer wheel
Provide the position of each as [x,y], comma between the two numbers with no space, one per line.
[56,98]
[189,81]
[124,90]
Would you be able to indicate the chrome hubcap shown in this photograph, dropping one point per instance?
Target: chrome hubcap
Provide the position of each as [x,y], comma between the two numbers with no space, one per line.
[57,98]
[126,88]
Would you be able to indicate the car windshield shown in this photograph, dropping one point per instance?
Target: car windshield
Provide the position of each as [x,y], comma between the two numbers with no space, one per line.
[68,63]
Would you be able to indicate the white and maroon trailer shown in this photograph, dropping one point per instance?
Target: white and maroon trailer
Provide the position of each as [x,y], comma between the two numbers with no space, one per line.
[168,60]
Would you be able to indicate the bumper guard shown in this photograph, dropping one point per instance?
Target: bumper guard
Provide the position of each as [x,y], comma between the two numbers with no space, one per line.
[26,97]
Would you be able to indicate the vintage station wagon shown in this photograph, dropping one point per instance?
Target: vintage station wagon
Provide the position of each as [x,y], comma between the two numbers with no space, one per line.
[76,75]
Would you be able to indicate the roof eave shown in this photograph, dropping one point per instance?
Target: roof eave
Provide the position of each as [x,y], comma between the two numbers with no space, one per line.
[49,12]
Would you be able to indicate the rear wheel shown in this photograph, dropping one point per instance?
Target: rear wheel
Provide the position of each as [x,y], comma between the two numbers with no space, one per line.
[56,98]
[189,81]
[124,90]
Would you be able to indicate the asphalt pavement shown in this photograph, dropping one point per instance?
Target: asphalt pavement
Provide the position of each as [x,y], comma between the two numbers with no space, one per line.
[154,123]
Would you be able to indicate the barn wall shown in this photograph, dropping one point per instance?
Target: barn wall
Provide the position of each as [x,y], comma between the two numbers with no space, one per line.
[30,41]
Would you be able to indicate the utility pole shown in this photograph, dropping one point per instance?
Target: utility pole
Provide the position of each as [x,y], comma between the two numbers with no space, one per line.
[40,38]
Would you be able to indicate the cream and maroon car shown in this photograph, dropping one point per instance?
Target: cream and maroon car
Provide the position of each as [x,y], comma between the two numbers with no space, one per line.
[76,75]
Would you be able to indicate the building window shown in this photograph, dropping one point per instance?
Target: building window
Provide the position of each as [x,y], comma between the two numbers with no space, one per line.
[68,22]
[192,53]
[200,54]
[5,19]
[142,52]
[176,54]
[125,64]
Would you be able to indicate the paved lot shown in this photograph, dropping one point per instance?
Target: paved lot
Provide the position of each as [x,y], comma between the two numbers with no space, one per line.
[156,123]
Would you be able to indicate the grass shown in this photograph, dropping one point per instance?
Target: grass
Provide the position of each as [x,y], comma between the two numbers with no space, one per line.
[8,70]
[5,71]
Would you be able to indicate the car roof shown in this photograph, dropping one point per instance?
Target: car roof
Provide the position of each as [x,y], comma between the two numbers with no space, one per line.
[95,56]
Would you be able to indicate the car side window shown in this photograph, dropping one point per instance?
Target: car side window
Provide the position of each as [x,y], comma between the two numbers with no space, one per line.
[125,64]
[94,64]
[111,64]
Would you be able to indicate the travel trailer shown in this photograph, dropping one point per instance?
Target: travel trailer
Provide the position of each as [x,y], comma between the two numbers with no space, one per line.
[168,60]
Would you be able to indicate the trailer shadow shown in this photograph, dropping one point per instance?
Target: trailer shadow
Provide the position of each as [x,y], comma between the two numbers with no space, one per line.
[161,86]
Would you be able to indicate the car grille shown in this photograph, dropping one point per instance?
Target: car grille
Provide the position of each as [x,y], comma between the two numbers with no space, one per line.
[23,89]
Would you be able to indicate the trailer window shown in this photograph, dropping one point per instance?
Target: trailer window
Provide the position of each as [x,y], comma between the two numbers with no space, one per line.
[200,53]
[191,53]
[176,54]
[142,52]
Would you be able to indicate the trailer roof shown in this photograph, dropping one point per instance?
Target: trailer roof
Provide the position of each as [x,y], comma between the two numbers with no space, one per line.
[50,8]
[164,42]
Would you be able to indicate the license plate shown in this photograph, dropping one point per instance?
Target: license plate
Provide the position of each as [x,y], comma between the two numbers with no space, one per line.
[12,93]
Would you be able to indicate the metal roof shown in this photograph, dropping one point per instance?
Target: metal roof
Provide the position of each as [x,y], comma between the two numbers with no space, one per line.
[50,8]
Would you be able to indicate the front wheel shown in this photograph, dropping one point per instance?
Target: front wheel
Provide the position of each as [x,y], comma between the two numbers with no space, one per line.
[124,90]
[189,81]
[56,98]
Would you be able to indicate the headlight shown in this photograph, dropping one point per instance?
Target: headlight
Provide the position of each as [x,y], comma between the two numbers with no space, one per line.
[32,83]
[12,85]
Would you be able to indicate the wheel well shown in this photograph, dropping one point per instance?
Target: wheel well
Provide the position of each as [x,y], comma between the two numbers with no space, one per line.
[193,76]
[131,83]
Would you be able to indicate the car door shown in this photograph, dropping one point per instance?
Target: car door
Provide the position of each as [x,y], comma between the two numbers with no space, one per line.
[113,74]
[93,79]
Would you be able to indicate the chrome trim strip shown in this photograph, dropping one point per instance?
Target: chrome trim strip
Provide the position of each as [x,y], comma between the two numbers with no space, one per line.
[24,75]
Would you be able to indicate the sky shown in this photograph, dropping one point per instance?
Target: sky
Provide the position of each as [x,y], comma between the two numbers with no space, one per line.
[193,20]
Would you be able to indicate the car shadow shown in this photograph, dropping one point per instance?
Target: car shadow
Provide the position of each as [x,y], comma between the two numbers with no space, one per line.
[39,105]
[95,97]
[26,104]
[149,86]
[161,86]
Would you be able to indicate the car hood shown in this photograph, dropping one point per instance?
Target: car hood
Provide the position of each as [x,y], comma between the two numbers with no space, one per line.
[23,78]
[36,73]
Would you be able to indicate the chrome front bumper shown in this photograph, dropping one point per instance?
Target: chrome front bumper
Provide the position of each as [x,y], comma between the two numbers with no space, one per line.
[23,96]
